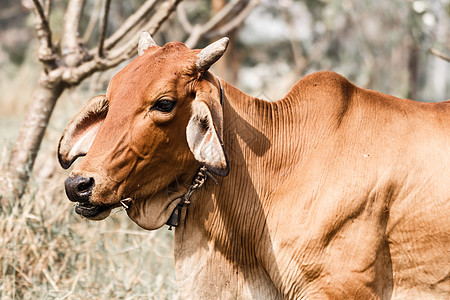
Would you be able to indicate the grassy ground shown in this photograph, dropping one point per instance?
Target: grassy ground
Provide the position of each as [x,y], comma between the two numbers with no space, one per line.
[49,252]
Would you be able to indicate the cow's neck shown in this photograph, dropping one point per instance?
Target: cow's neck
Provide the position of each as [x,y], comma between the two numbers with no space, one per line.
[261,141]
[227,223]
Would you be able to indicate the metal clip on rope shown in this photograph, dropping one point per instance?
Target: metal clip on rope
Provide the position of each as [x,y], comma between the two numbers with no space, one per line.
[197,183]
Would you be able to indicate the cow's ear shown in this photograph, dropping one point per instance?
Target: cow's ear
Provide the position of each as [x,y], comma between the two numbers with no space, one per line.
[203,135]
[81,131]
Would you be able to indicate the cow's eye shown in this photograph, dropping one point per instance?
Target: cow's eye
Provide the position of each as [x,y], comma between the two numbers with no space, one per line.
[164,105]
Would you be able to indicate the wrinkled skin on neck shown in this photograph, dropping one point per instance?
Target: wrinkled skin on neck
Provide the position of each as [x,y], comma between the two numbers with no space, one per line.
[141,153]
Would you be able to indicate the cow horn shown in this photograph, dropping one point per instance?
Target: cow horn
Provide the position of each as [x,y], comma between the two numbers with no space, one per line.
[211,54]
[145,41]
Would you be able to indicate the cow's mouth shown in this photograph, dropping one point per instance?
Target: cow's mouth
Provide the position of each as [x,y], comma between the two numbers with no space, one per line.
[92,211]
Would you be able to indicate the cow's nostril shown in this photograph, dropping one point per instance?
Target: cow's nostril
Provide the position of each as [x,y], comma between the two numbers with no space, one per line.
[79,188]
[85,185]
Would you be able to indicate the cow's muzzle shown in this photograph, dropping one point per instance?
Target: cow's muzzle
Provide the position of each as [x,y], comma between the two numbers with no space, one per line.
[79,188]
[91,211]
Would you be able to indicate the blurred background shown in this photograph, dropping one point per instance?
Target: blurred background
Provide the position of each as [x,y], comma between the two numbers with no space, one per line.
[47,251]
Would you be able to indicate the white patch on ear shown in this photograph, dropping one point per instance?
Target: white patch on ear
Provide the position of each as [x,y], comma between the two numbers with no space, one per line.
[82,130]
[84,141]
[203,140]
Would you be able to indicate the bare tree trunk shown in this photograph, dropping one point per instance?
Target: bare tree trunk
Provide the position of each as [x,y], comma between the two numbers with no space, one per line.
[31,133]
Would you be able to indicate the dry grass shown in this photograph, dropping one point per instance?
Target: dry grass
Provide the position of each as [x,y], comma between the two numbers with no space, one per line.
[49,252]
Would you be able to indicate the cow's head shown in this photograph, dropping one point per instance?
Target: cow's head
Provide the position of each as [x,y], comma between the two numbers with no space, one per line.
[161,118]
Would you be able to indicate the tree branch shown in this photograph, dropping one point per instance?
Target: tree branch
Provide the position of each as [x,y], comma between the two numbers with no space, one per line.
[439,54]
[40,12]
[131,22]
[236,21]
[227,12]
[198,30]
[46,53]
[103,25]
[222,14]
[181,13]
[47,9]
[163,12]
[92,21]
[74,76]
[70,43]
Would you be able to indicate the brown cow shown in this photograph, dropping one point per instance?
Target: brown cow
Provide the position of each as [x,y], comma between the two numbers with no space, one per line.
[331,192]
